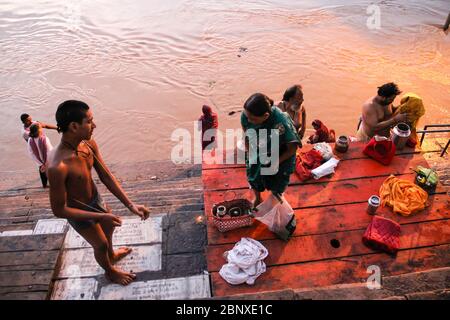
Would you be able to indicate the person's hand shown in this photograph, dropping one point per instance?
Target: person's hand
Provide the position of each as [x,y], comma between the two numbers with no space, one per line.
[111,219]
[141,211]
[42,168]
[401,117]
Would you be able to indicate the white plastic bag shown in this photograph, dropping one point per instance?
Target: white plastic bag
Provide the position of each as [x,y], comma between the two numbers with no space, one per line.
[278,217]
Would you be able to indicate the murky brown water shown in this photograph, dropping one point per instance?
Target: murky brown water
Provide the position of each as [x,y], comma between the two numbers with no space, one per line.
[146,67]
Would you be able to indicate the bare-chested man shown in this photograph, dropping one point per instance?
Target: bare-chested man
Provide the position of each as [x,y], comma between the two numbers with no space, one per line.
[73,194]
[377,113]
[292,103]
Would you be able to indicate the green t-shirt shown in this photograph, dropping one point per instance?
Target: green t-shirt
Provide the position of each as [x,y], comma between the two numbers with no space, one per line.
[287,133]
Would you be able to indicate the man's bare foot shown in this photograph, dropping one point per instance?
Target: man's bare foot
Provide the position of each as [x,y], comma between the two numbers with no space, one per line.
[120,254]
[120,277]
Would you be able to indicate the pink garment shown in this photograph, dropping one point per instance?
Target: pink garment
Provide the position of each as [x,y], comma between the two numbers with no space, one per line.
[39,148]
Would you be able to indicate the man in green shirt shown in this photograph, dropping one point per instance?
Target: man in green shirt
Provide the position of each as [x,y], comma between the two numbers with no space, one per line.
[260,113]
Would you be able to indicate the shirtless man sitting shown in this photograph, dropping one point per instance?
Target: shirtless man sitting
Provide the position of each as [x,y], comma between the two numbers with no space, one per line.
[292,103]
[73,194]
[377,113]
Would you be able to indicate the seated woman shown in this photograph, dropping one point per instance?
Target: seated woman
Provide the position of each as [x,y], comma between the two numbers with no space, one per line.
[322,133]
[39,147]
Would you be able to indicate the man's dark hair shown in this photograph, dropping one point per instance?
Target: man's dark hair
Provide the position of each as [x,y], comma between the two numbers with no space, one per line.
[388,90]
[70,111]
[24,116]
[258,104]
[290,93]
[34,129]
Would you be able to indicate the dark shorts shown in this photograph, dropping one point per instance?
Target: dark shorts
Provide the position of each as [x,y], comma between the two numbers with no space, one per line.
[96,203]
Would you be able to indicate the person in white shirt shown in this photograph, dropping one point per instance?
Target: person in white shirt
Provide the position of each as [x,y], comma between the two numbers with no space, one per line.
[39,147]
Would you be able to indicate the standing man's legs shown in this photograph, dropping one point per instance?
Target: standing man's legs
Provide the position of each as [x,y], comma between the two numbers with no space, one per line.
[447,23]
[44,179]
[97,239]
[118,254]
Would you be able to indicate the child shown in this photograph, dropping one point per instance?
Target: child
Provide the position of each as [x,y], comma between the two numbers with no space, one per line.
[39,147]
[259,113]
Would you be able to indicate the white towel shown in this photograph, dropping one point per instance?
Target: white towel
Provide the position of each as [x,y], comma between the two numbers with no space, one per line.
[245,262]
[325,169]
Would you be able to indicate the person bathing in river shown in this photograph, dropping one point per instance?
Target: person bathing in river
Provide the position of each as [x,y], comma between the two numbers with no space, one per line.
[378,113]
[39,147]
[27,121]
[73,194]
[260,113]
[292,105]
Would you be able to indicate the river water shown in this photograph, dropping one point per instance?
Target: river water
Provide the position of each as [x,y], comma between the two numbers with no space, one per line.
[146,67]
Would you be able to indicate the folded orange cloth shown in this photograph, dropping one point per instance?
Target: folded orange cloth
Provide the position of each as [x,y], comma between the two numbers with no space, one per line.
[403,196]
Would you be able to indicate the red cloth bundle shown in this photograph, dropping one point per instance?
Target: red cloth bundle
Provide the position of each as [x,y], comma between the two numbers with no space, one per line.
[322,134]
[383,234]
[306,162]
[382,151]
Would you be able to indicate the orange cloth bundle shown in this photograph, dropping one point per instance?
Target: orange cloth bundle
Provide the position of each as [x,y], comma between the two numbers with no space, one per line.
[403,196]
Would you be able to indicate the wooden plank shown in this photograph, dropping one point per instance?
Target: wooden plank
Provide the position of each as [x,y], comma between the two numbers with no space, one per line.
[25,278]
[318,247]
[337,271]
[38,295]
[31,243]
[313,195]
[332,219]
[22,289]
[28,258]
[354,152]
[235,178]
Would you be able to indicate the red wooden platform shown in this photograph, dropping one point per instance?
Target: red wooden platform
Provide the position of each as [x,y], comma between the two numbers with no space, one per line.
[332,208]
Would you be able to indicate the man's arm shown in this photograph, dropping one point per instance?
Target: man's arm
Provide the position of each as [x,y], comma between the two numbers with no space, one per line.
[113,185]
[58,200]
[303,129]
[290,151]
[48,126]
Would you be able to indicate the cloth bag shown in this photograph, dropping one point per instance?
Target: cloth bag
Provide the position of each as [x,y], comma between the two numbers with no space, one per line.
[383,234]
[277,215]
[381,149]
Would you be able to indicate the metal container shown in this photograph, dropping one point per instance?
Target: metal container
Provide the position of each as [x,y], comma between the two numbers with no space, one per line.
[400,135]
[221,211]
[235,212]
[374,203]
[342,144]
